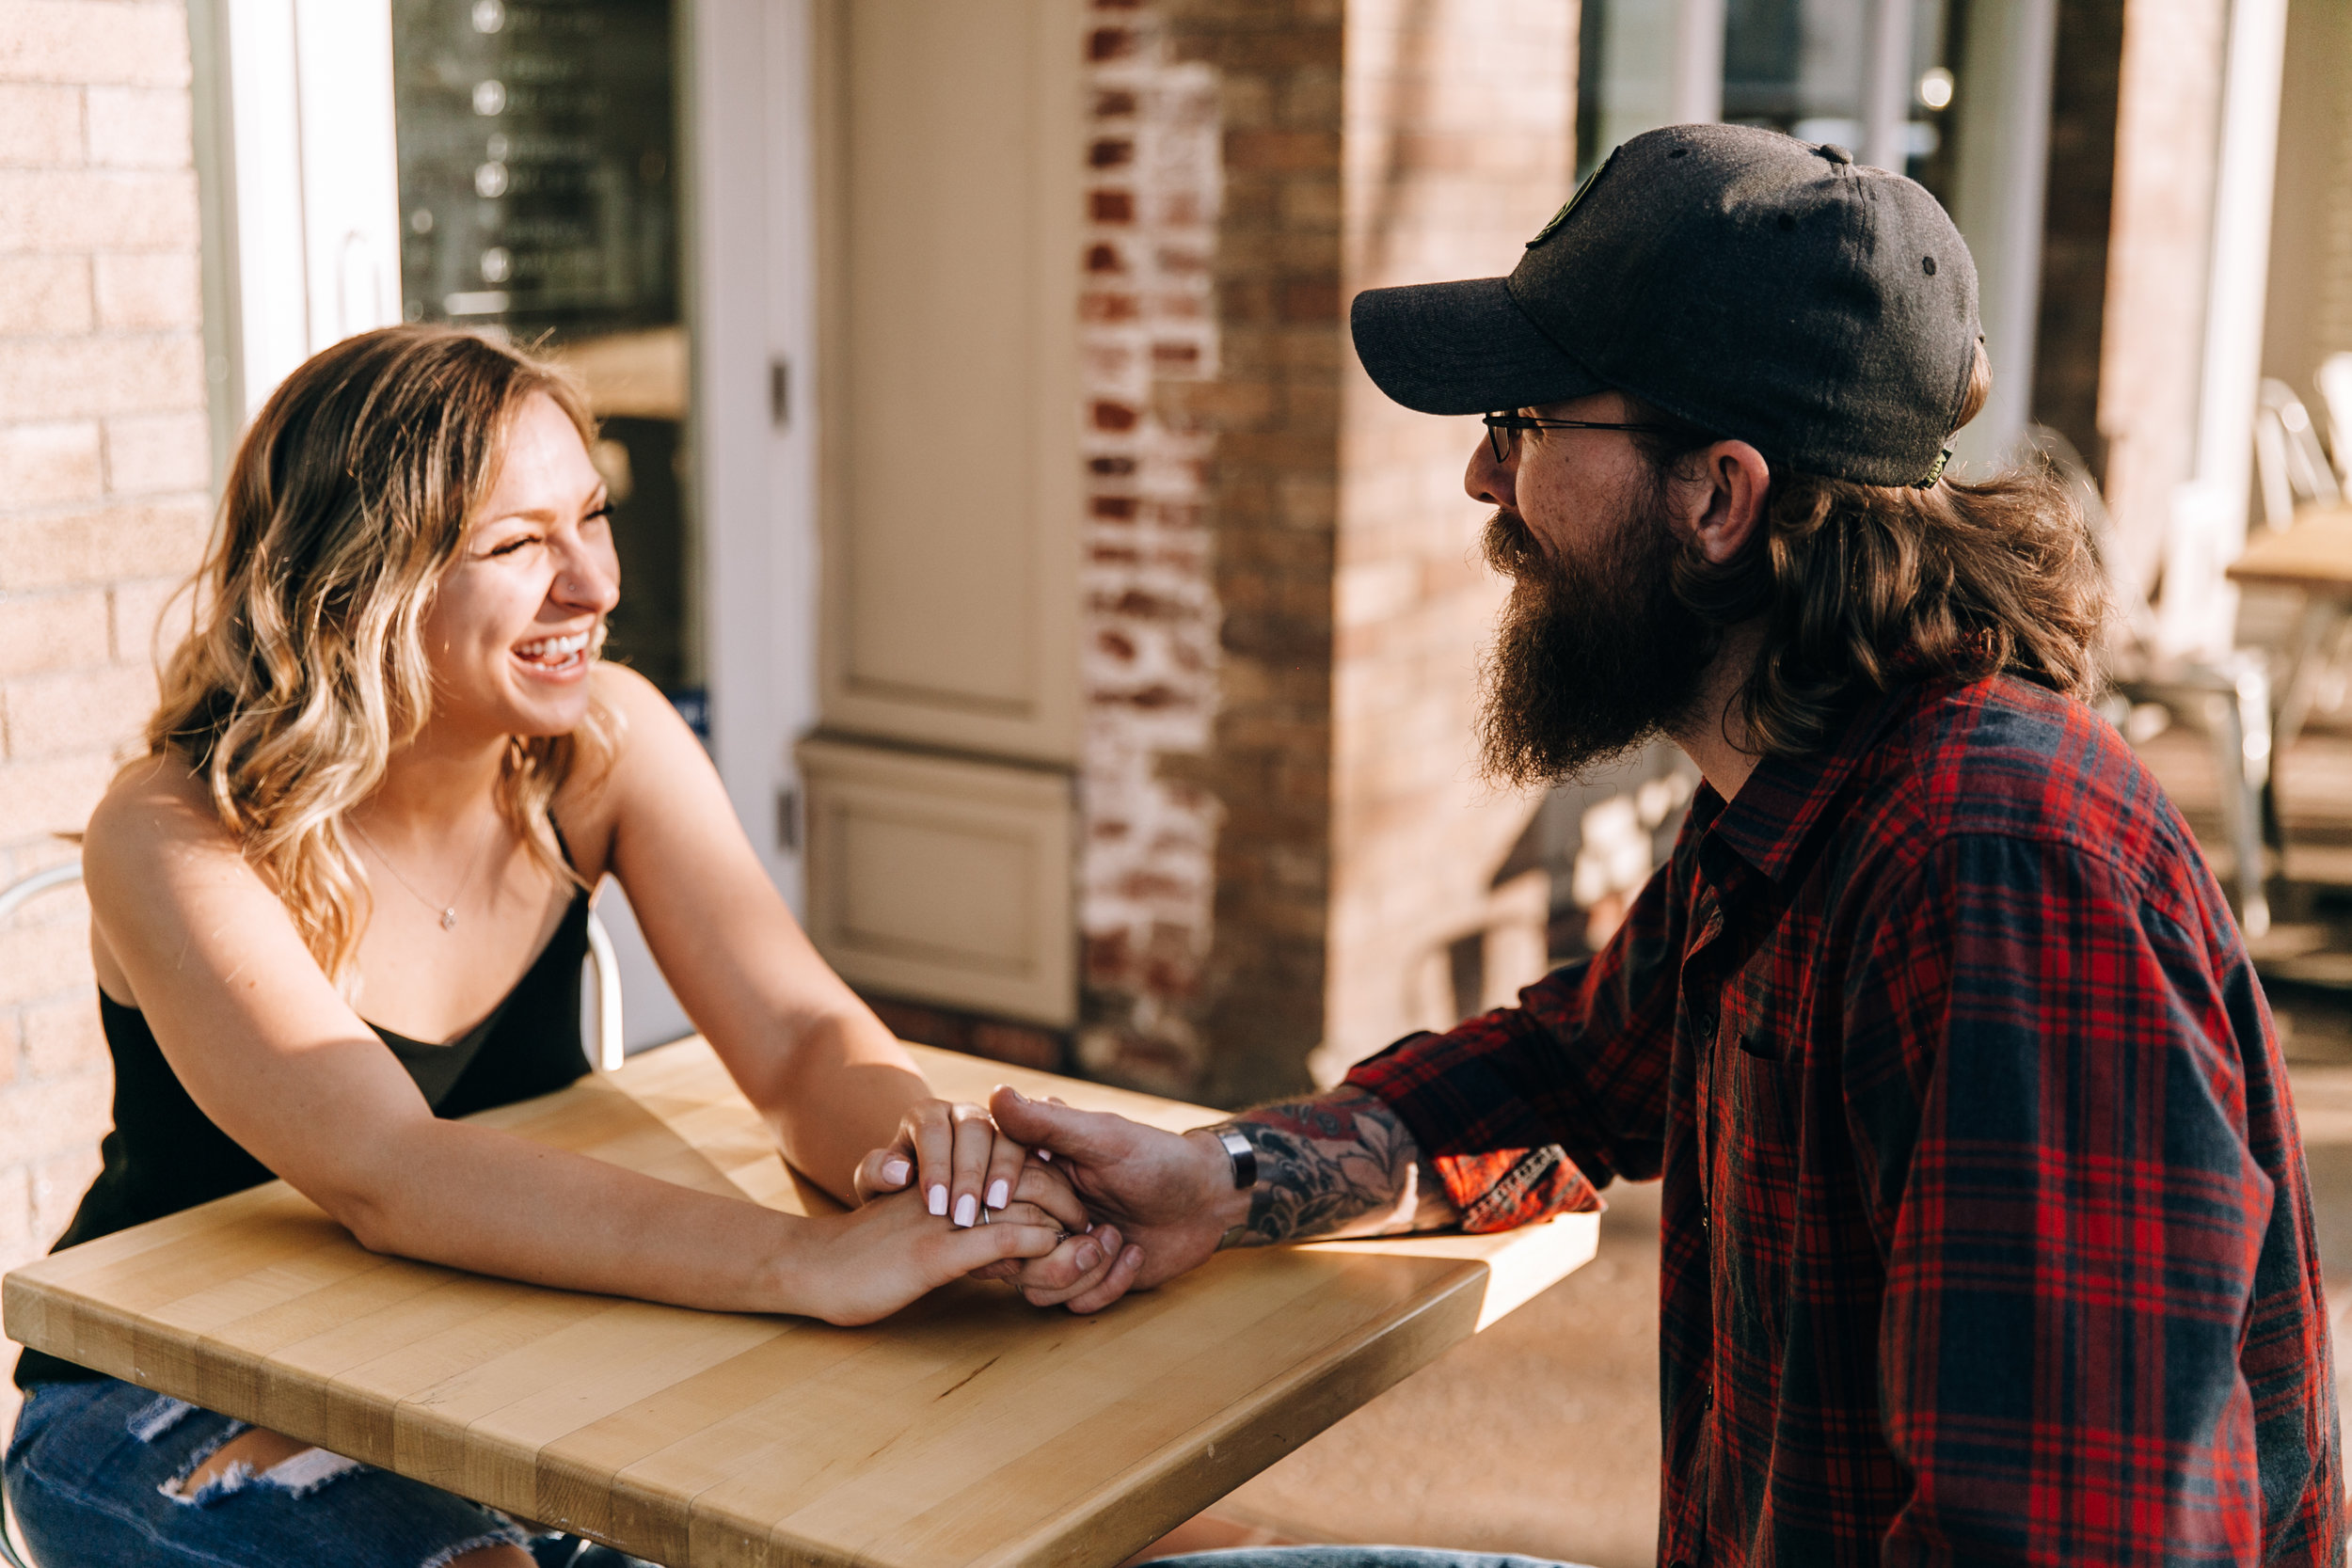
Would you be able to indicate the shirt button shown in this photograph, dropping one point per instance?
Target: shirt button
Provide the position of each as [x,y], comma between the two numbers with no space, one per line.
[1710,1395]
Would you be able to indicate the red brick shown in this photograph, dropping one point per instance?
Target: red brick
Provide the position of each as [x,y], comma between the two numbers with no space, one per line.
[1110,43]
[1103,305]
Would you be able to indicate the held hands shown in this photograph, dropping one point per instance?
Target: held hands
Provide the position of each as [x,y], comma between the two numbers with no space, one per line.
[962,1168]
[1172,1194]
[879,1257]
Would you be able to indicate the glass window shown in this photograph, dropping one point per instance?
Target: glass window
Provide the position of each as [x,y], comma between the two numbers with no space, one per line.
[1798,66]
[539,192]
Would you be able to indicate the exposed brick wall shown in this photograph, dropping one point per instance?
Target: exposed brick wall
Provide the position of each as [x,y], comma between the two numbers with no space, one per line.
[1328,762]
[2168,121]
[1149,651]
[1271,504]
[102,441]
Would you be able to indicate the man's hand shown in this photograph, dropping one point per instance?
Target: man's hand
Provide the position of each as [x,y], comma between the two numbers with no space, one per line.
[1342,1163]
[1171,1194]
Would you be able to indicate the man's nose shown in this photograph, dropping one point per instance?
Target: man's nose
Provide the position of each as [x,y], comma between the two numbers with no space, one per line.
[1489,481]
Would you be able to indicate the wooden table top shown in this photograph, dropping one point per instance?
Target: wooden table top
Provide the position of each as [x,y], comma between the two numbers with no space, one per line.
[2316,554]
[969,1429]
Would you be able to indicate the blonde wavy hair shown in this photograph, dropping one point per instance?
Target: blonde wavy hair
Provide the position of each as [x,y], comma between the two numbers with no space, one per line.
[304,668]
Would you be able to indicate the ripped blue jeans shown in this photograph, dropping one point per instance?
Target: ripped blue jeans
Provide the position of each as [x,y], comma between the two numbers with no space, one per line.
[95,1473]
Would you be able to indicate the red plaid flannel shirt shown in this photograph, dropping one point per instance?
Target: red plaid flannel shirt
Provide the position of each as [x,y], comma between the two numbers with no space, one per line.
[1987,1235]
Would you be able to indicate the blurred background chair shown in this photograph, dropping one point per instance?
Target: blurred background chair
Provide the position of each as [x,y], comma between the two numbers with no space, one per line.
[2289,461]
[2334,380]
[2228,699]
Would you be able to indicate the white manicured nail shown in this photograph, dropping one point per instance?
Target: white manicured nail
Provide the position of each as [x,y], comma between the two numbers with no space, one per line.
[966,1210]
[895,1172]
[999,1194]
[939,1200]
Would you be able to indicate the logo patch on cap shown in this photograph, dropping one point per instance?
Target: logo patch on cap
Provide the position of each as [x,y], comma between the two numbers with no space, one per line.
[1568,206]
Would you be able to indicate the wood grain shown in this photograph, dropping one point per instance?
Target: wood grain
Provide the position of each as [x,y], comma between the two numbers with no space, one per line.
[969,1429]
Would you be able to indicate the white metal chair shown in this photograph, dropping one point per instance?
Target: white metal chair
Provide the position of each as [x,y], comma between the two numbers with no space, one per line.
[2334,380]
[2229,699]
[2288,460]
[602,963]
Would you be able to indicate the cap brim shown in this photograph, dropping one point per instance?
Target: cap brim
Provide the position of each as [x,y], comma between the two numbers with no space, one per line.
[1462,348]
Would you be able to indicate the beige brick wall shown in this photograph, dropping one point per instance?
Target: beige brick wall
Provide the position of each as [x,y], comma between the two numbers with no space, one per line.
[103,474]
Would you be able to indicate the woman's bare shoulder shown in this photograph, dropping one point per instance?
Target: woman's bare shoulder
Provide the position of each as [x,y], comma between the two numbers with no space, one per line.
[156,804]
[649,733]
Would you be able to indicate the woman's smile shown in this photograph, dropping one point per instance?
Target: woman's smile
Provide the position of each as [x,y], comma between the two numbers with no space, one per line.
[564,657]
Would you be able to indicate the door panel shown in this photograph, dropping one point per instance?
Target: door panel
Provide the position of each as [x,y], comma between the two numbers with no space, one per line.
[943,880]
[951,544]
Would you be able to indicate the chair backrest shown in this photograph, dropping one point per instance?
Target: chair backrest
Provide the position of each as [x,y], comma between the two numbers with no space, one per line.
[2288,460]
[602,964]
[2334,380]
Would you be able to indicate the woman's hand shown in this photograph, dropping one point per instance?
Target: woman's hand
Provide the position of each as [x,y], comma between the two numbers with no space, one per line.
[1094,1261]
[958,1163]
[863,1265]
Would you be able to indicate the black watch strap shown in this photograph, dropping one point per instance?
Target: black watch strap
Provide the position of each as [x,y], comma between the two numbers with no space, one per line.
[1244,1154]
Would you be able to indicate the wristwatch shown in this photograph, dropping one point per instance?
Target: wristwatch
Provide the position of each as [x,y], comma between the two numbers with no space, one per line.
[1243,1155]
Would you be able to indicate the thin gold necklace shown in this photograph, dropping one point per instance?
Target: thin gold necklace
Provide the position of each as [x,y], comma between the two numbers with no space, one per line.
[449,910]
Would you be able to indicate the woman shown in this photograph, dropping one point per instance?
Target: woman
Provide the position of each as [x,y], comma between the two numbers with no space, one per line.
[342,901]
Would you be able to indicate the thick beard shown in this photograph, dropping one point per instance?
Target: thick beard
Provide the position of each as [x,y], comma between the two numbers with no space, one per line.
[1596,653]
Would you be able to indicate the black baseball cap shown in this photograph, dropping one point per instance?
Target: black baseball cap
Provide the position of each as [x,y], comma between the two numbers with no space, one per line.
[1757,286]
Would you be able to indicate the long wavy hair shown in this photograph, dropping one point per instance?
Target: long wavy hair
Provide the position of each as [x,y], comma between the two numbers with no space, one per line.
[304,668]
[1862,587]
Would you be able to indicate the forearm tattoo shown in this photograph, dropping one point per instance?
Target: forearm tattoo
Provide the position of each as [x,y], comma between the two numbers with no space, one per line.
[1339,1165]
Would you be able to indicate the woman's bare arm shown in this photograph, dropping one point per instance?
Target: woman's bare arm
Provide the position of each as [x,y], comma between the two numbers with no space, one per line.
[272,1054]
[831,1080]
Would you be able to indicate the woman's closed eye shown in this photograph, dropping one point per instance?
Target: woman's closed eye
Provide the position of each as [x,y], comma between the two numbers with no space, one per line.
[511,544]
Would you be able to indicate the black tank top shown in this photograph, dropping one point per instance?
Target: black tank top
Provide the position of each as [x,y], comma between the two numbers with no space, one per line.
[165,1155]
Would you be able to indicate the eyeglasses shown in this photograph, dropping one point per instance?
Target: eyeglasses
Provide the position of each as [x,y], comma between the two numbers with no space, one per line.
[1502,430]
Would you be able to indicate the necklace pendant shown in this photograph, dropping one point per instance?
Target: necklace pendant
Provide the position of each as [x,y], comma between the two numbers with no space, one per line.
[449,919]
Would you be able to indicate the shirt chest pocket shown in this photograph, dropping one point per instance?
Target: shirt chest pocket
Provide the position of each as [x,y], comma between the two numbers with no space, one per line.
[1760,1131]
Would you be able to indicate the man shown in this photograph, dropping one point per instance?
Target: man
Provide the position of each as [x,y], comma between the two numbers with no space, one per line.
[1986,1230]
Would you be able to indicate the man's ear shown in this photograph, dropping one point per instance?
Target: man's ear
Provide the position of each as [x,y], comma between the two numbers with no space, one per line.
[1730,508]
